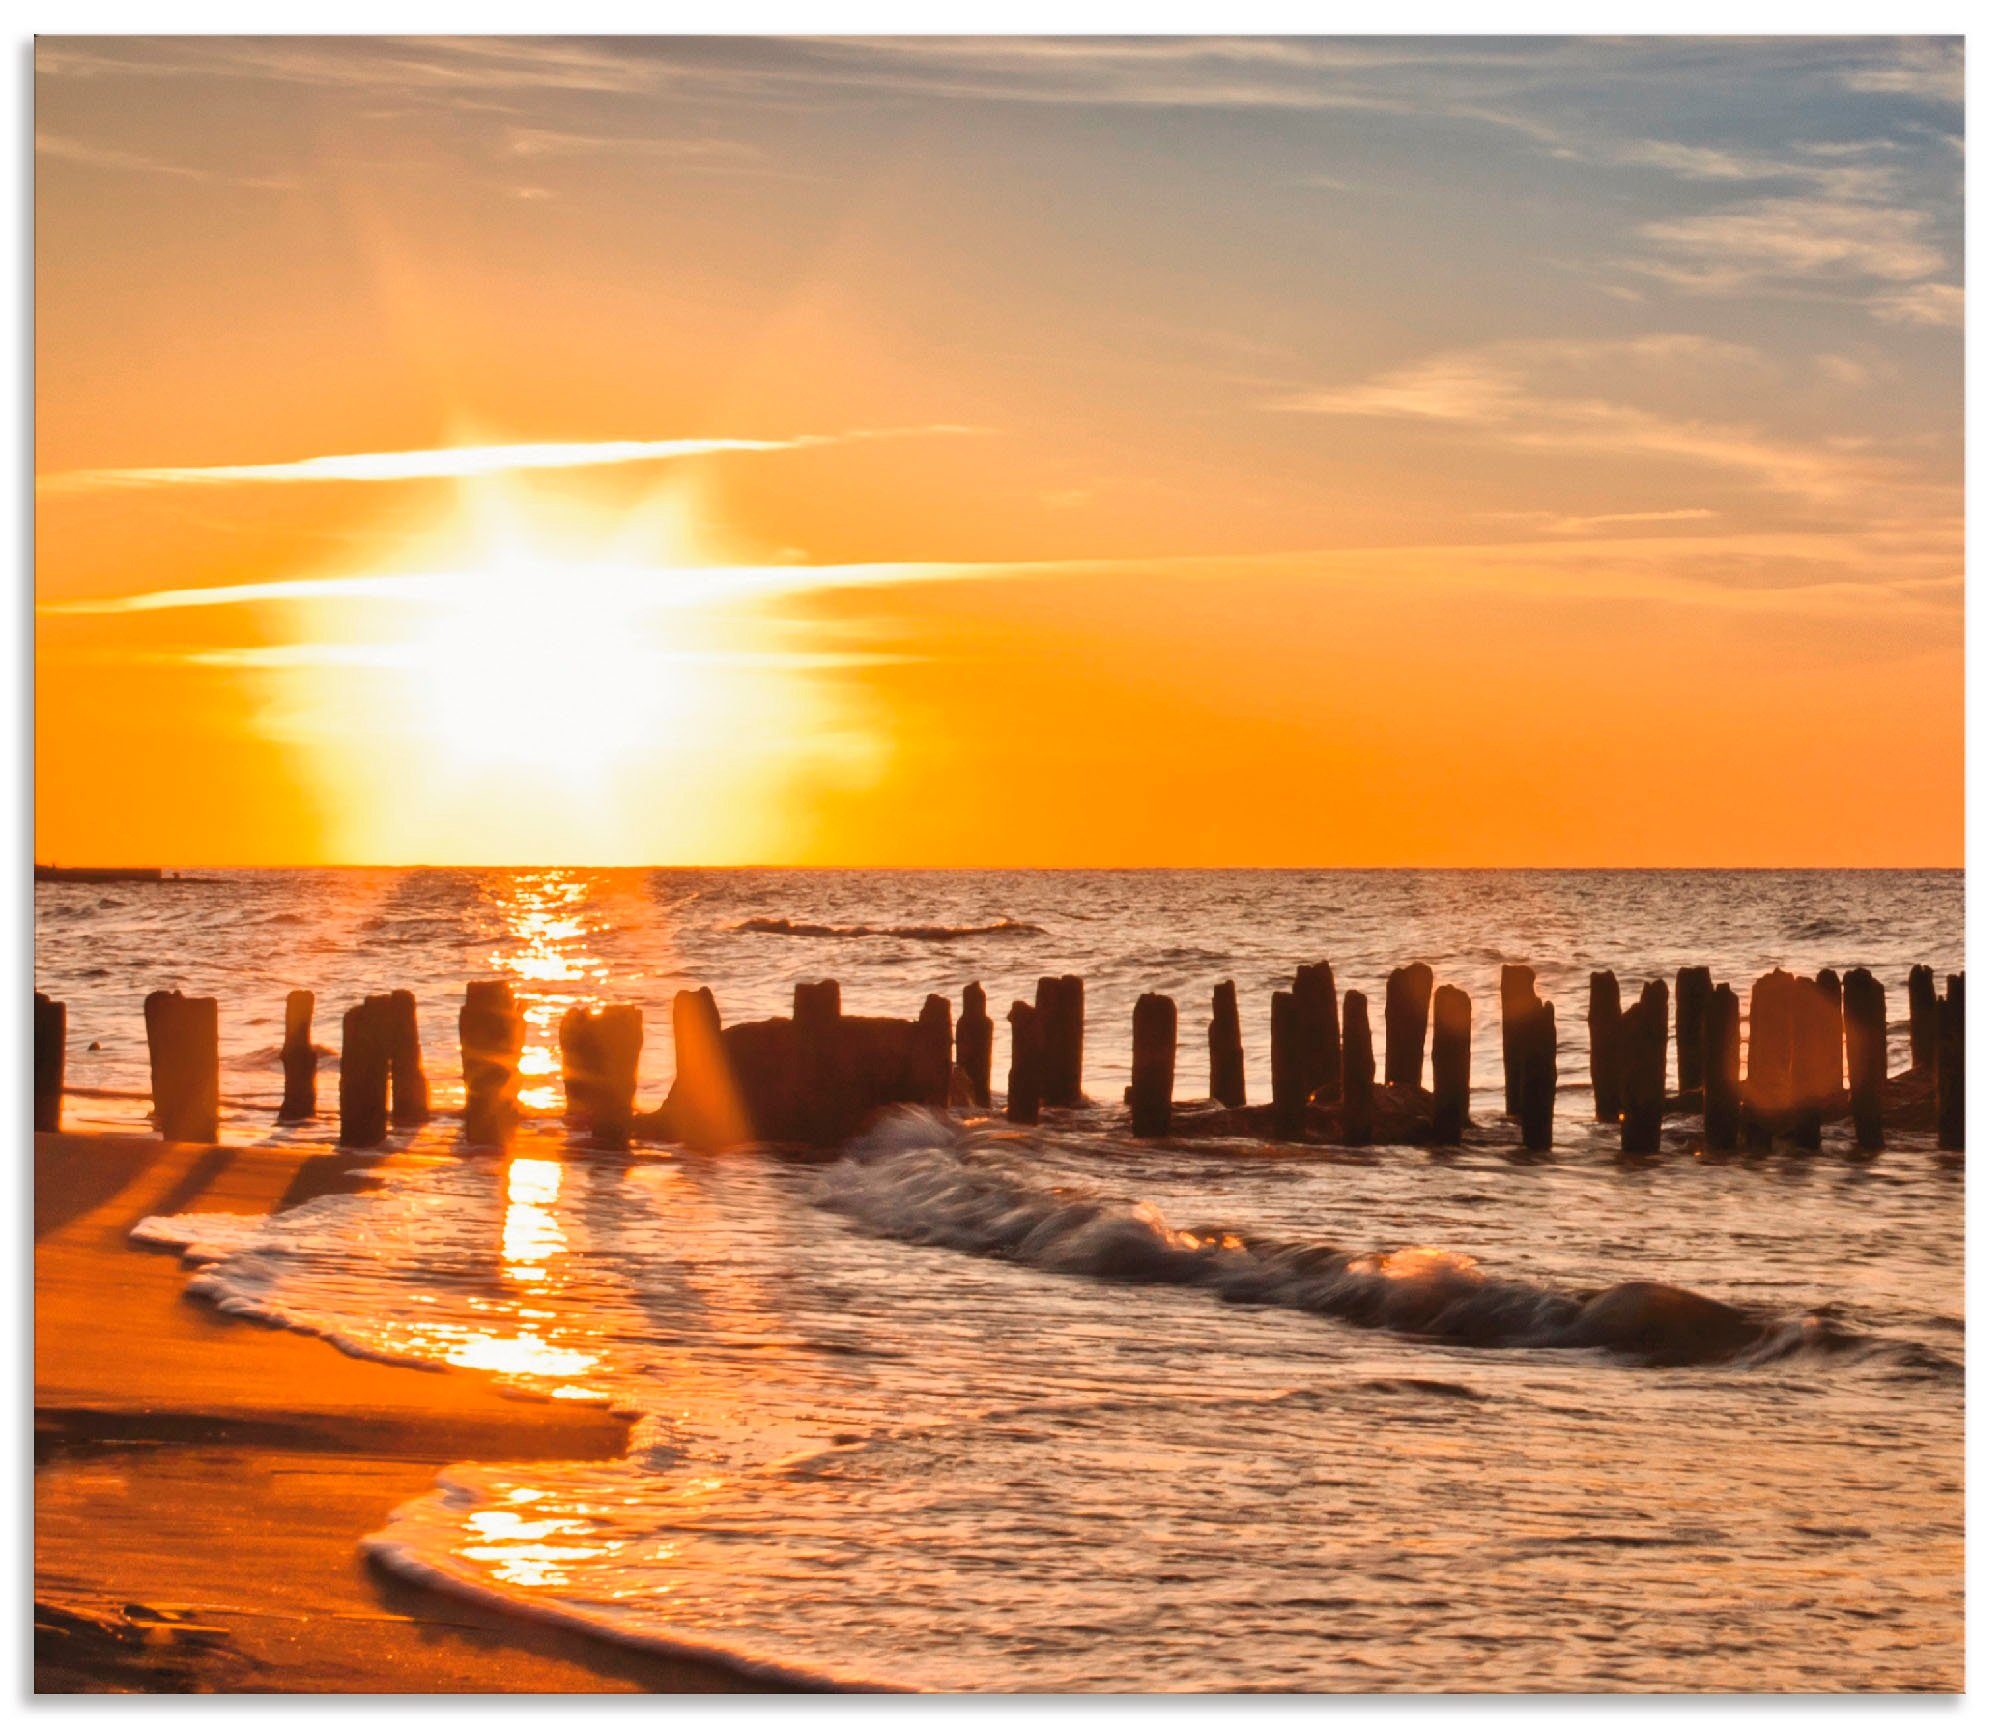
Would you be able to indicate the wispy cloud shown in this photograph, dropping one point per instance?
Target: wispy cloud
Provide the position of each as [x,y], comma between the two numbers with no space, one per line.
[457,462]
[57,147]
[1931,69]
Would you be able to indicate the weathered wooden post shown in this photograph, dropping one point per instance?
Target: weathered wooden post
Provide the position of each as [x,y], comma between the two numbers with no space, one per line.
[1288,1064]
[1537,1048]
[491,1031]
[1155,1035]
[1606,1020]
[1693,986]
[1815,1054]
[366,1031]
[932,1055]
[409,1091]
[1923,1018]
[1951,1065]
[299,1059]
[182,1048]
[822,1111]
[1406,1014]
[1642,1070]
[1722,1069]
[600,1063]
[1319,1025]
[51,1052]
[975,1045]
[1517,1007]
[1865,1024]
[1451,1065]
[1357,1072]
[1767,1087]
[1024,1071]
[710,1112]
[1225,1049]
[1059,1008]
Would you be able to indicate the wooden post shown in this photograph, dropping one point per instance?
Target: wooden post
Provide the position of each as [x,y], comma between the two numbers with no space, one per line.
[1155,1034]
[1923,1019]
[1607,1088]
[709,1110]
[491,1031]
[300,1059]
[1722,1069]
[1815,1054]
[1537,1049]
[181,1045]
[1319,1025]
[1693,986]
[1951,1065]
[366,1031]
[1865,1025]
[819,1083]
[1517,1007]
[975,1045]
[1768,1086]
[1642,1070]
[1357,1072]
[1406,1013]
[1024,1072]
[409,1091]
[600,1061]
[1225,1049]
[51,1052]
[1288,1064]
[1451,1065]
[1059,1007]
[933,1053]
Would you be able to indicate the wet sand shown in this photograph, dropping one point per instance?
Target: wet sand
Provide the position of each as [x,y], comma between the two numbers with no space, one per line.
[201,1484]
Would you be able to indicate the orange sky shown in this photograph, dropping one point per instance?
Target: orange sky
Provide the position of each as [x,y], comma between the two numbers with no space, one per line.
[999,452]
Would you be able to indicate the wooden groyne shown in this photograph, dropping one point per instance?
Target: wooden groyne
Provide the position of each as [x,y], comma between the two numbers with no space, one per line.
[1816,1053]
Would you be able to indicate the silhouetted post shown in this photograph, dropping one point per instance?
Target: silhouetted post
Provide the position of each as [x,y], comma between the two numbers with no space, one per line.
[1225,1049]
[1024,1072]
[1815,1054]
[1451,1065]
[1642,1070]
[975,1045]
[709,1112]
[51,1041]
[1722,1070]
[1406,1014]
[1693,986]
[1517,1007]
[1768,1086]
[300,1060]
[816,1044]
[1537,1045]
[933,1053]
[1059,1006]
[366,1032]
[600,1063]
[1155,1035]
[1357,1072]
[1319,1025]
[1923,1018]
[181,1045]
[1865,1022]
[491,1032]
[1607,1089]
[1951,1065]
[409,1091]
[1288,1063]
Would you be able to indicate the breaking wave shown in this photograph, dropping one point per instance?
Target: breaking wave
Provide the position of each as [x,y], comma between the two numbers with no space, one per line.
[911,932]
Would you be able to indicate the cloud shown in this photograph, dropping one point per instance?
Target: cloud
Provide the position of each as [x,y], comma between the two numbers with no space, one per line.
[1936,304]
[56,147]
[1792,239]
[1536,395]
[1932,70]
[454,462]
[541,142]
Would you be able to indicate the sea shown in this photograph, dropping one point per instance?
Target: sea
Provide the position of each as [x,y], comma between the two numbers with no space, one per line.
[966,1406]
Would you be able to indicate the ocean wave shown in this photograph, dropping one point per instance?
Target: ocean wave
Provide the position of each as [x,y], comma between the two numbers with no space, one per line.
[916,1178]
[911,932]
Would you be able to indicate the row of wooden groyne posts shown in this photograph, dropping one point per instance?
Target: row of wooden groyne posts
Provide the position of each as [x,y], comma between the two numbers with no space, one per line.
[1818,1051]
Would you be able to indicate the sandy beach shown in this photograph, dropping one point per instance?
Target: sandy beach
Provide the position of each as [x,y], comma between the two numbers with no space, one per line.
[201,1484]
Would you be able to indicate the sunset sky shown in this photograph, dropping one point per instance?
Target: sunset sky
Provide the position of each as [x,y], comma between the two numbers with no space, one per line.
[999,451]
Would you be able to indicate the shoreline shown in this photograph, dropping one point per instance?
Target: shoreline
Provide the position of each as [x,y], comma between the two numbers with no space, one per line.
[149,1403]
